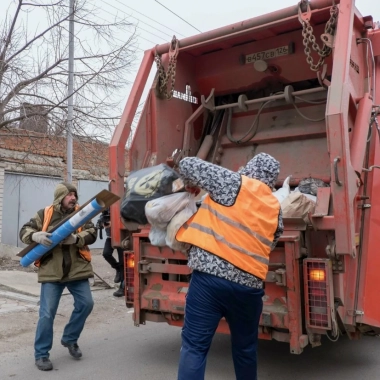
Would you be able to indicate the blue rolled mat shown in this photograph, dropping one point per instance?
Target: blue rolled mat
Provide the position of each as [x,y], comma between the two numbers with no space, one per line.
[62,232]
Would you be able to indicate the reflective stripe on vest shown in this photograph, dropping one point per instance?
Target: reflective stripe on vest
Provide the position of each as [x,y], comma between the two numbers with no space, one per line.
[241,234]
[48,213]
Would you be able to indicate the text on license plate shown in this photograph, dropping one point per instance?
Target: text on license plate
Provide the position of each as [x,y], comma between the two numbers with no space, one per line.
[268,54]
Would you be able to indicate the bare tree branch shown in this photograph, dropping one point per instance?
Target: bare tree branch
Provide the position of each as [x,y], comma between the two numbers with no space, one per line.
[34,70]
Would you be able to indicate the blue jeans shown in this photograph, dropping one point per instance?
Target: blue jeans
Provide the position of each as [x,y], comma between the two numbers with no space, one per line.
[209,299]
[51,293]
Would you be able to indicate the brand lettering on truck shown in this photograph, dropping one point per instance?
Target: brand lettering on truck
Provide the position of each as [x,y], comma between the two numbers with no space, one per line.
[187,97]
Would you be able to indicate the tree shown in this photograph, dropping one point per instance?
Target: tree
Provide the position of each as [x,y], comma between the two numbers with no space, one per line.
[34,66]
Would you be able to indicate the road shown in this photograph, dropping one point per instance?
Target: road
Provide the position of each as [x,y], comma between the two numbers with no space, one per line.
[116,350]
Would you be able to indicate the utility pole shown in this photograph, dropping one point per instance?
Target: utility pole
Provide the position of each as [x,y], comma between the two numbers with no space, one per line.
[70,112]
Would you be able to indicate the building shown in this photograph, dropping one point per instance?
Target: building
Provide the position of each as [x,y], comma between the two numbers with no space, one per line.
[33,163]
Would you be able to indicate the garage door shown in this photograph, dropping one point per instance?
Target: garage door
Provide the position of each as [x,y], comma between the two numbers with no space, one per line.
[24,195]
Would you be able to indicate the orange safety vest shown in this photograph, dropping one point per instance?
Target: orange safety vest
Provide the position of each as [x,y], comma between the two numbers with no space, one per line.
[48,213]
[241,234]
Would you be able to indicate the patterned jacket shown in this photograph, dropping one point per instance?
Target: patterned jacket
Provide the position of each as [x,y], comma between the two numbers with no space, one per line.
[223,186]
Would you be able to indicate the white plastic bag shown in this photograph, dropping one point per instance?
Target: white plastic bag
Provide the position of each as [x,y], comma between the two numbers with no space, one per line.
[160,211]
[176,223]
[283,191]
[157,236]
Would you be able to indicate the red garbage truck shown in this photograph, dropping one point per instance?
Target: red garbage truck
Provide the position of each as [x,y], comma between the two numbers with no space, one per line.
[303,85]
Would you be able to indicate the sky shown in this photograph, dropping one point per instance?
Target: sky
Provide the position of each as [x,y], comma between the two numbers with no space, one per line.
[156,25]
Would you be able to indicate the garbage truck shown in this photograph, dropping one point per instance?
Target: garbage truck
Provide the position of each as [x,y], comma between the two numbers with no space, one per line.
[303,85]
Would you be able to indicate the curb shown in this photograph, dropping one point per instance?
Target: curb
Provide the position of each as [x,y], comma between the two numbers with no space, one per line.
[20,297]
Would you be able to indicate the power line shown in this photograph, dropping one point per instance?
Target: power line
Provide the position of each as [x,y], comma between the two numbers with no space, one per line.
[110,22]
[120,10]
[123,42]
[178,16]
[127,6]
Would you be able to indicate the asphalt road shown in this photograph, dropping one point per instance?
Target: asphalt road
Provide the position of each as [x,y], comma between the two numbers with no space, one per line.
[117,350]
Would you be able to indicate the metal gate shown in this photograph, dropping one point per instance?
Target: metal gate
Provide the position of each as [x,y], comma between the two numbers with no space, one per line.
[24,195]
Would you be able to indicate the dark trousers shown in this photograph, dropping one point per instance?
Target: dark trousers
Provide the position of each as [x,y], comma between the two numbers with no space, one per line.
[209,299]
[108,255]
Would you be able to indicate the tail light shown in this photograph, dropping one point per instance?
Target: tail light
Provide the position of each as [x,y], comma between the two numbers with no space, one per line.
[318,293]
[129,260]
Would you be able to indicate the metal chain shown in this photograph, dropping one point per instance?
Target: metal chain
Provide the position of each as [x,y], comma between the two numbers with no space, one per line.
[309,38]
[163,77]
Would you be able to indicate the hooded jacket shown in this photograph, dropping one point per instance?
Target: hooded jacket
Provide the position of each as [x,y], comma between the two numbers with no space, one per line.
[223,187]
[63,263]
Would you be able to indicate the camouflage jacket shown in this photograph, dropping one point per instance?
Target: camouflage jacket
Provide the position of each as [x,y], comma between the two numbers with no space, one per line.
[63,263]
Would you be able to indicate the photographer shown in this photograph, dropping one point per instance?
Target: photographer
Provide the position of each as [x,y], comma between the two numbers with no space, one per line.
[105,222]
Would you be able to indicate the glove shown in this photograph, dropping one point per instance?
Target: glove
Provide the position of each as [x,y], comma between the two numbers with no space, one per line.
[42,237]
[71,239]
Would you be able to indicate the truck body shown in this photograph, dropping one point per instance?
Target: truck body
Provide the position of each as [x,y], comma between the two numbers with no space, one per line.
[263,85]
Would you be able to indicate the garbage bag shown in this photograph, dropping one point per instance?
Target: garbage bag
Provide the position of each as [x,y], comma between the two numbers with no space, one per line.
[283,191]
[297,205]
[176,223]
[311,197]
[144,185]
[157,236]
[310,185]
[160,211]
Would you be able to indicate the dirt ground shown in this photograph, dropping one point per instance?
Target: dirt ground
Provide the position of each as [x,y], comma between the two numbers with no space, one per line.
[18,328]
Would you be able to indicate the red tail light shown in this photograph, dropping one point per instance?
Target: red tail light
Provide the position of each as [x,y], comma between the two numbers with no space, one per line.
[129,260]
[318,293]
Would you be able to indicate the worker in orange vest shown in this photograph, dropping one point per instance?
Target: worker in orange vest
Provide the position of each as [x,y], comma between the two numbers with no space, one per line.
[67,265]
[232,234]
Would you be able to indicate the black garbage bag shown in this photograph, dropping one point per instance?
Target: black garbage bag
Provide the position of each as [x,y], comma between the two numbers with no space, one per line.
[144,185]
[310,185]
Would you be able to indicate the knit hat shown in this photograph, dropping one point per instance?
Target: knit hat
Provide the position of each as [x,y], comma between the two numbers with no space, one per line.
[62,190]
[262,167]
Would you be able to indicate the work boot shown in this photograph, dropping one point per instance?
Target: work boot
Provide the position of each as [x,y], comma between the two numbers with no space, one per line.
[117,278]
[74,349]
[44,364]
[119,292]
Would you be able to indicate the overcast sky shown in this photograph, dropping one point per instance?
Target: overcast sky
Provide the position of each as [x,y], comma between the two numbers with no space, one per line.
[156,25]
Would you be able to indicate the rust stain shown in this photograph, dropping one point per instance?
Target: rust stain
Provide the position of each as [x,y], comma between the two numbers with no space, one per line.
[157,287]
[150,295]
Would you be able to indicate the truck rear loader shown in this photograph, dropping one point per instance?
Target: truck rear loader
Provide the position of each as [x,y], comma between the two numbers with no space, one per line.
[303,85]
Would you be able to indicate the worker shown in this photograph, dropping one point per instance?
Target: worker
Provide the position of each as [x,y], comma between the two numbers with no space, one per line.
[67,265]
[118,265]
[231,236]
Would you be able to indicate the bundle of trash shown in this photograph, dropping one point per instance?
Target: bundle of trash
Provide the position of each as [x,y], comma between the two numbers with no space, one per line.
[300,201]
[166,216]
[156,195]
[143,186]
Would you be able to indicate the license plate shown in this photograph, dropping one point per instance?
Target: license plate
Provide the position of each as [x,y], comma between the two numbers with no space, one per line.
[269,54]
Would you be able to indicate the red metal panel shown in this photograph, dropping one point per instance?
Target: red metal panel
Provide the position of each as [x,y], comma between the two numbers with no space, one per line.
[119,139]
[292,255]
[277,16]
[343,183]
[368,295]
[211,69]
